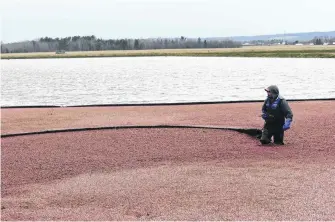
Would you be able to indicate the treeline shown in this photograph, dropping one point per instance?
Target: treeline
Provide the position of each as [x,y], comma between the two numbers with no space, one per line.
[321,41]
[91,43]
[315,41]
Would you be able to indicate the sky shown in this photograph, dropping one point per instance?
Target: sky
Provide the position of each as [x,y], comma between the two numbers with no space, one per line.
[30,19]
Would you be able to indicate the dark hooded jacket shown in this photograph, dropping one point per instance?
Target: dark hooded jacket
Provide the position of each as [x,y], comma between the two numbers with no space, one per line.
[276,107]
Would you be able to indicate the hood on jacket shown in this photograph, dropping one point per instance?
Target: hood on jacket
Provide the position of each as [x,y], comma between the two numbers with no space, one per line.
[274,90]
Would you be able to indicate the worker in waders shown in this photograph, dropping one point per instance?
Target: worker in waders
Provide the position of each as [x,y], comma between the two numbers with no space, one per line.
[277,115]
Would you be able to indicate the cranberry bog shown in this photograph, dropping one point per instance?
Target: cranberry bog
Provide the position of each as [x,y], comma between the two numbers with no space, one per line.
[167,162]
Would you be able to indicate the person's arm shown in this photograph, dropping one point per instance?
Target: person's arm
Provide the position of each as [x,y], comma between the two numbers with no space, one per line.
[287,113]
[286,110]
[264,107]
[264,111]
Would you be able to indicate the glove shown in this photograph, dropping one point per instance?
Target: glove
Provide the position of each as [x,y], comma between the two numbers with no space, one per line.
[265,116]
[287,124]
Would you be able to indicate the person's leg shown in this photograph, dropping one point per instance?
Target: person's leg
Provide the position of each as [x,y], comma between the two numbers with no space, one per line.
[266,135]
[279,137]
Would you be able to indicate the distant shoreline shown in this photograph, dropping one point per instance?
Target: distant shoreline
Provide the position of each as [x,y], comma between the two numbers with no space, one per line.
[280,51]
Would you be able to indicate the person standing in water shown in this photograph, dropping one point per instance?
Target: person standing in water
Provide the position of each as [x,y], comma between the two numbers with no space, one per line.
[277,115]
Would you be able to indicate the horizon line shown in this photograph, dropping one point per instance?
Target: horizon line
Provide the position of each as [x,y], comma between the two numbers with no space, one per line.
[171,37]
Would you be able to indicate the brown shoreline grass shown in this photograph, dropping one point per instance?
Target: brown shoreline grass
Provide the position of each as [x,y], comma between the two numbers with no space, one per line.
[306,51]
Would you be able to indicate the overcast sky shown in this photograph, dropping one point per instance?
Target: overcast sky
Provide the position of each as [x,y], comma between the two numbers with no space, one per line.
[30,19]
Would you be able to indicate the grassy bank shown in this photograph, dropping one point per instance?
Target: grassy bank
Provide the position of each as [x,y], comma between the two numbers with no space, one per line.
[250,51]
